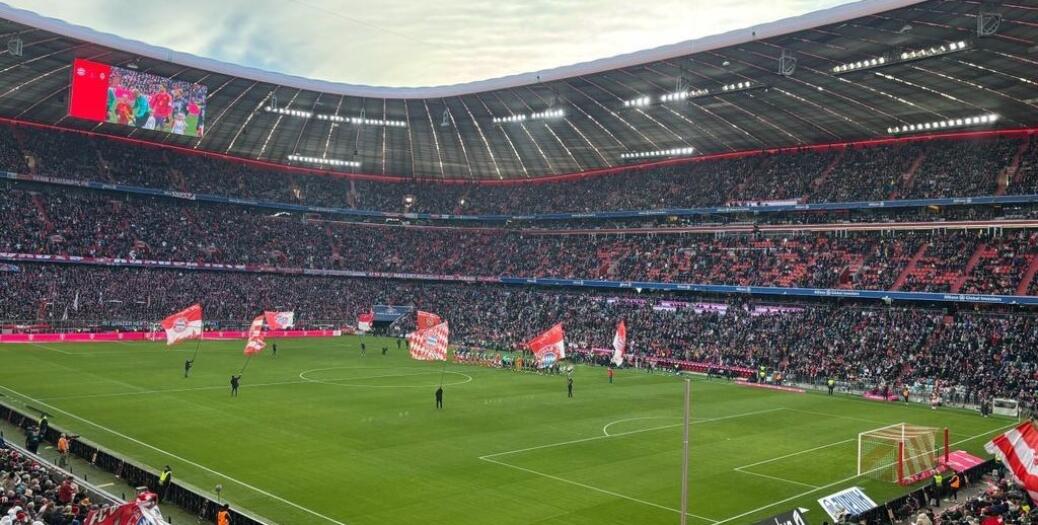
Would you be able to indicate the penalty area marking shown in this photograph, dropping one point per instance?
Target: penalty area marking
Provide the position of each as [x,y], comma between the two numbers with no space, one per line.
[845,480]
[336,382]
[176,457]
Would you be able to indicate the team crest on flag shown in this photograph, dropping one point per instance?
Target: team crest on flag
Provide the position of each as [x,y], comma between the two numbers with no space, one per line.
[183,325]
[427,320]
[280,320]
[549,347]
[364,321]
[429,344]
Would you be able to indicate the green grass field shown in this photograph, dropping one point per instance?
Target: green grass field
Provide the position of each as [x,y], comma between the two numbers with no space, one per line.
[322,435]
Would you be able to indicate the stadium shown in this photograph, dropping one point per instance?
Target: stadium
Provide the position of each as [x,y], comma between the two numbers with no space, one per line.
[778,274]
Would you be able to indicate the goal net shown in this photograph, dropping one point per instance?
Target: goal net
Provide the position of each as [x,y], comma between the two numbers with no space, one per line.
[900,453]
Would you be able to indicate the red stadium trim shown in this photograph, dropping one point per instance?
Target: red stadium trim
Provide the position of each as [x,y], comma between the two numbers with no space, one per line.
[599,172]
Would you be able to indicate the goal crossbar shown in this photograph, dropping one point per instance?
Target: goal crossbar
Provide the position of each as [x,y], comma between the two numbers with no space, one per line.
[901,452]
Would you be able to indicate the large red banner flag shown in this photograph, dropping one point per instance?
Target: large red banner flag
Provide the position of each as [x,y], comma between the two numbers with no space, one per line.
[138,512]
[280,320]
[427,320]
[1016,449]
[429,344]
[549,347]
[619,344]
[256,339]
[183,325]
[364,321]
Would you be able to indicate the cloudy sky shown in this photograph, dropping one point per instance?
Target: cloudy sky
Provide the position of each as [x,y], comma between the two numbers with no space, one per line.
[412,42]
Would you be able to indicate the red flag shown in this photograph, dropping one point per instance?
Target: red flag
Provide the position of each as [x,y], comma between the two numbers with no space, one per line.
[427,320]
[619,344]
[280,320]
[132,513]
[183,325]
[549,347]
[1017,449]
[429,344]
[364,321]
[256,340]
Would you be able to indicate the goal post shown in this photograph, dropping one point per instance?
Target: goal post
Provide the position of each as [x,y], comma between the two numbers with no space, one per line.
[901,453]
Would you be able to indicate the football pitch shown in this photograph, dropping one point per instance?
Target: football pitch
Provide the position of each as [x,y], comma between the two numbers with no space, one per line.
[324,435]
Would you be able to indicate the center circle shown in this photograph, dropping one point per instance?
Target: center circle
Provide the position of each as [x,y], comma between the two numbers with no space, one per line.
[385,377]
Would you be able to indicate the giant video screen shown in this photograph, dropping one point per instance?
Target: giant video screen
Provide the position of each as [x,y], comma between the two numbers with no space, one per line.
[105,93]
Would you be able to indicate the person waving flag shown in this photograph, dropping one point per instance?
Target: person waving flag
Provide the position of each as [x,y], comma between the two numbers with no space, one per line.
[183,325]
[619,344]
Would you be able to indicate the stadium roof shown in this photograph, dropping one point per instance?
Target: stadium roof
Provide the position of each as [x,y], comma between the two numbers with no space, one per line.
[898,75]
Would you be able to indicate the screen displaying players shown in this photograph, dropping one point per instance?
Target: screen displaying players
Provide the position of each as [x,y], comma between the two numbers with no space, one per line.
[105,93]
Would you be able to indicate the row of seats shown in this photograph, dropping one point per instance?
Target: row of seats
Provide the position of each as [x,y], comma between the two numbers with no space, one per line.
[48,220]
[908,170]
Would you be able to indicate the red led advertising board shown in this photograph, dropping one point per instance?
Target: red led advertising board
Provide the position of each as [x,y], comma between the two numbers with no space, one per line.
[104,93]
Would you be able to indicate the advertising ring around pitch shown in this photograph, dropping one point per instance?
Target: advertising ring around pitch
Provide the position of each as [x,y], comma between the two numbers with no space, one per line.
[385,377]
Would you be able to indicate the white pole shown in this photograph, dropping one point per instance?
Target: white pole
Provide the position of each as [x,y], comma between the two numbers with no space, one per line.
[684,462]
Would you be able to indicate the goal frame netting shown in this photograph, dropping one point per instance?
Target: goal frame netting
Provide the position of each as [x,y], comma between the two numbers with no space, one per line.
[901,453]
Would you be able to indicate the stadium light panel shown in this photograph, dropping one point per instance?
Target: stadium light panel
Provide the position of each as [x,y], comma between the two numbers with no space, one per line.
[977,120]
[673,152]
[904,56]
[360,121]
[539,115]
[324,162]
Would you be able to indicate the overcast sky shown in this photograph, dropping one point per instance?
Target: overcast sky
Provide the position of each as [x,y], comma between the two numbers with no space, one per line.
[413,42]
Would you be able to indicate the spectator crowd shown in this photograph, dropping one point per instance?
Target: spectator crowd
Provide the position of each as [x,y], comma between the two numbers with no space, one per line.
[940,168]
[45,220]
[971,355]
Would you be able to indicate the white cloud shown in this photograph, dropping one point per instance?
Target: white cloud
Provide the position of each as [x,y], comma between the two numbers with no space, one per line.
[408,43]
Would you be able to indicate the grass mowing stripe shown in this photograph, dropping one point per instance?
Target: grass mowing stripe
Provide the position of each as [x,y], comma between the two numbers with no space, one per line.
[845,480]
[740,467]
[178,458]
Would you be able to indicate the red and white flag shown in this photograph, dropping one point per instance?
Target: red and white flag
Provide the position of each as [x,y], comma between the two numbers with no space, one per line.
[619,344]
[1016,449]
[280,320]
[257,341]
[364,322]
[139,512]
[183,325]
[549,347]
[427,320]
[429,344]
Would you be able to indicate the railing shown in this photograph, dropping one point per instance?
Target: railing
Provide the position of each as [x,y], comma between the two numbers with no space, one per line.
[895,510]
[192,499]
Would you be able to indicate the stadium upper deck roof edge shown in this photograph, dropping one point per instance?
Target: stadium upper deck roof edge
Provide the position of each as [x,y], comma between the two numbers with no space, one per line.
[784,26]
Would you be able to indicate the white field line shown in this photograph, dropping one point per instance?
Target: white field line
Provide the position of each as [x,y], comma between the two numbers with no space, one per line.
[178,458]
[103,485]
[794,454]
[838,416]
[45,347]
[844,480]
[596,489]
[163,391]
[605,429]
[776,478]
[620,434]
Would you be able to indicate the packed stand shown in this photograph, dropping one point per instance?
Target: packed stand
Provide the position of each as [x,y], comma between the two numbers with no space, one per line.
[33,494]
[923,169]
[98,224]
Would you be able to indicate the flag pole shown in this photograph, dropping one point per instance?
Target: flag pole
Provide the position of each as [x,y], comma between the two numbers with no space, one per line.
[246,365]
[684,461]
[197,344]
[443,371]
